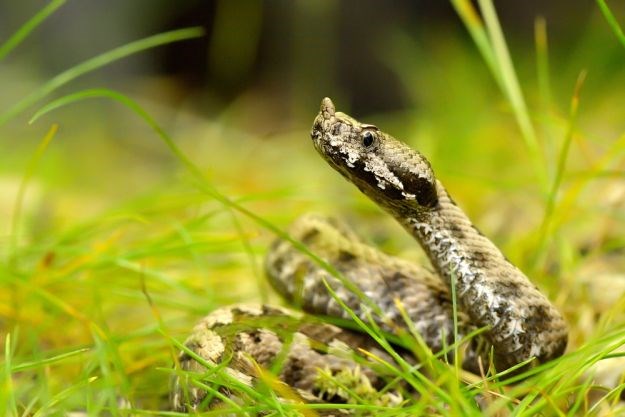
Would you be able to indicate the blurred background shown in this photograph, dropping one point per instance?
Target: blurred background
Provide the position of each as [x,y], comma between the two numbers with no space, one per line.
[109,203]
[293,49]
[288,52]
[262,67]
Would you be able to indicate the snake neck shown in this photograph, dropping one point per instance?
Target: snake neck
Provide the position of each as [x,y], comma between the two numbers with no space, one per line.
[453,244]
[492,291]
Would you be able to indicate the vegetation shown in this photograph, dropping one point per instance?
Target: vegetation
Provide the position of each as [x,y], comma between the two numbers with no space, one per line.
[122,225]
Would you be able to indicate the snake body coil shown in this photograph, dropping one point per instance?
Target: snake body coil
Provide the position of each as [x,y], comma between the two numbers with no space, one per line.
[492,293]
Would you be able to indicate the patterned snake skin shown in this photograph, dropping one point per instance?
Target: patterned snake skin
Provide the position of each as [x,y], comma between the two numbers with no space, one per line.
[492,293]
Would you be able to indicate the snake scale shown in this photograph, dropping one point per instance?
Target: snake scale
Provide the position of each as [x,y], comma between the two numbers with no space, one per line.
[395,295]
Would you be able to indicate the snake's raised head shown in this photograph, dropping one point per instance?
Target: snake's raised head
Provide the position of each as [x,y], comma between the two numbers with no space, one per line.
[382,167]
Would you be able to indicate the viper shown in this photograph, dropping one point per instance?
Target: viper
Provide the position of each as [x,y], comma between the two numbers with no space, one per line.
[469,291]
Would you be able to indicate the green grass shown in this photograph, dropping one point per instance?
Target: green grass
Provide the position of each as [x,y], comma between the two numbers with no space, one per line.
[108,261]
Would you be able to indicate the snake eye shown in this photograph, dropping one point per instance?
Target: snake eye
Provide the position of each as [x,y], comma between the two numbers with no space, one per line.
[368,138]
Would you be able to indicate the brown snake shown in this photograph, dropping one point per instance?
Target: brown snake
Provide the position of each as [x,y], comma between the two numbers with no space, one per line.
[520,322]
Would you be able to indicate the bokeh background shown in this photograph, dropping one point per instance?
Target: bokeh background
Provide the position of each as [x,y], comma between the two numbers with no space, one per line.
[114,240]
[262,68]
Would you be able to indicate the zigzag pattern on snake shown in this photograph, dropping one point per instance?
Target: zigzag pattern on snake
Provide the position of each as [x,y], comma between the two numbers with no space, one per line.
[520,322]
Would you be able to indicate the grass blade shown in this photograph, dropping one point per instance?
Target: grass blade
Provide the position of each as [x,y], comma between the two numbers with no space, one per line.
[28,27]
[9,402]
[491,44]
[51,406]
[475,27]
[612,22]
[47,361]
[510,82]
[542,62]
[98,62]
[559,175]
[21,192]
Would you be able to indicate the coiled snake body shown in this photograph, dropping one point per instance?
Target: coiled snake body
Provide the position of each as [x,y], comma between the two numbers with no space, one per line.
[492,293]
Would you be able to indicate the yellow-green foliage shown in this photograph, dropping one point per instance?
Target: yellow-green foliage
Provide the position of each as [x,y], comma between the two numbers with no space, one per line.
[122,222]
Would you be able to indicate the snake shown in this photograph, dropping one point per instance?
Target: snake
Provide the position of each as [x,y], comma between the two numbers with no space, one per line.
[469,291]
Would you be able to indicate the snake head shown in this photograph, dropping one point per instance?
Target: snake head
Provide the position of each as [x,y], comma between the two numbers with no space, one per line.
[383,168]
